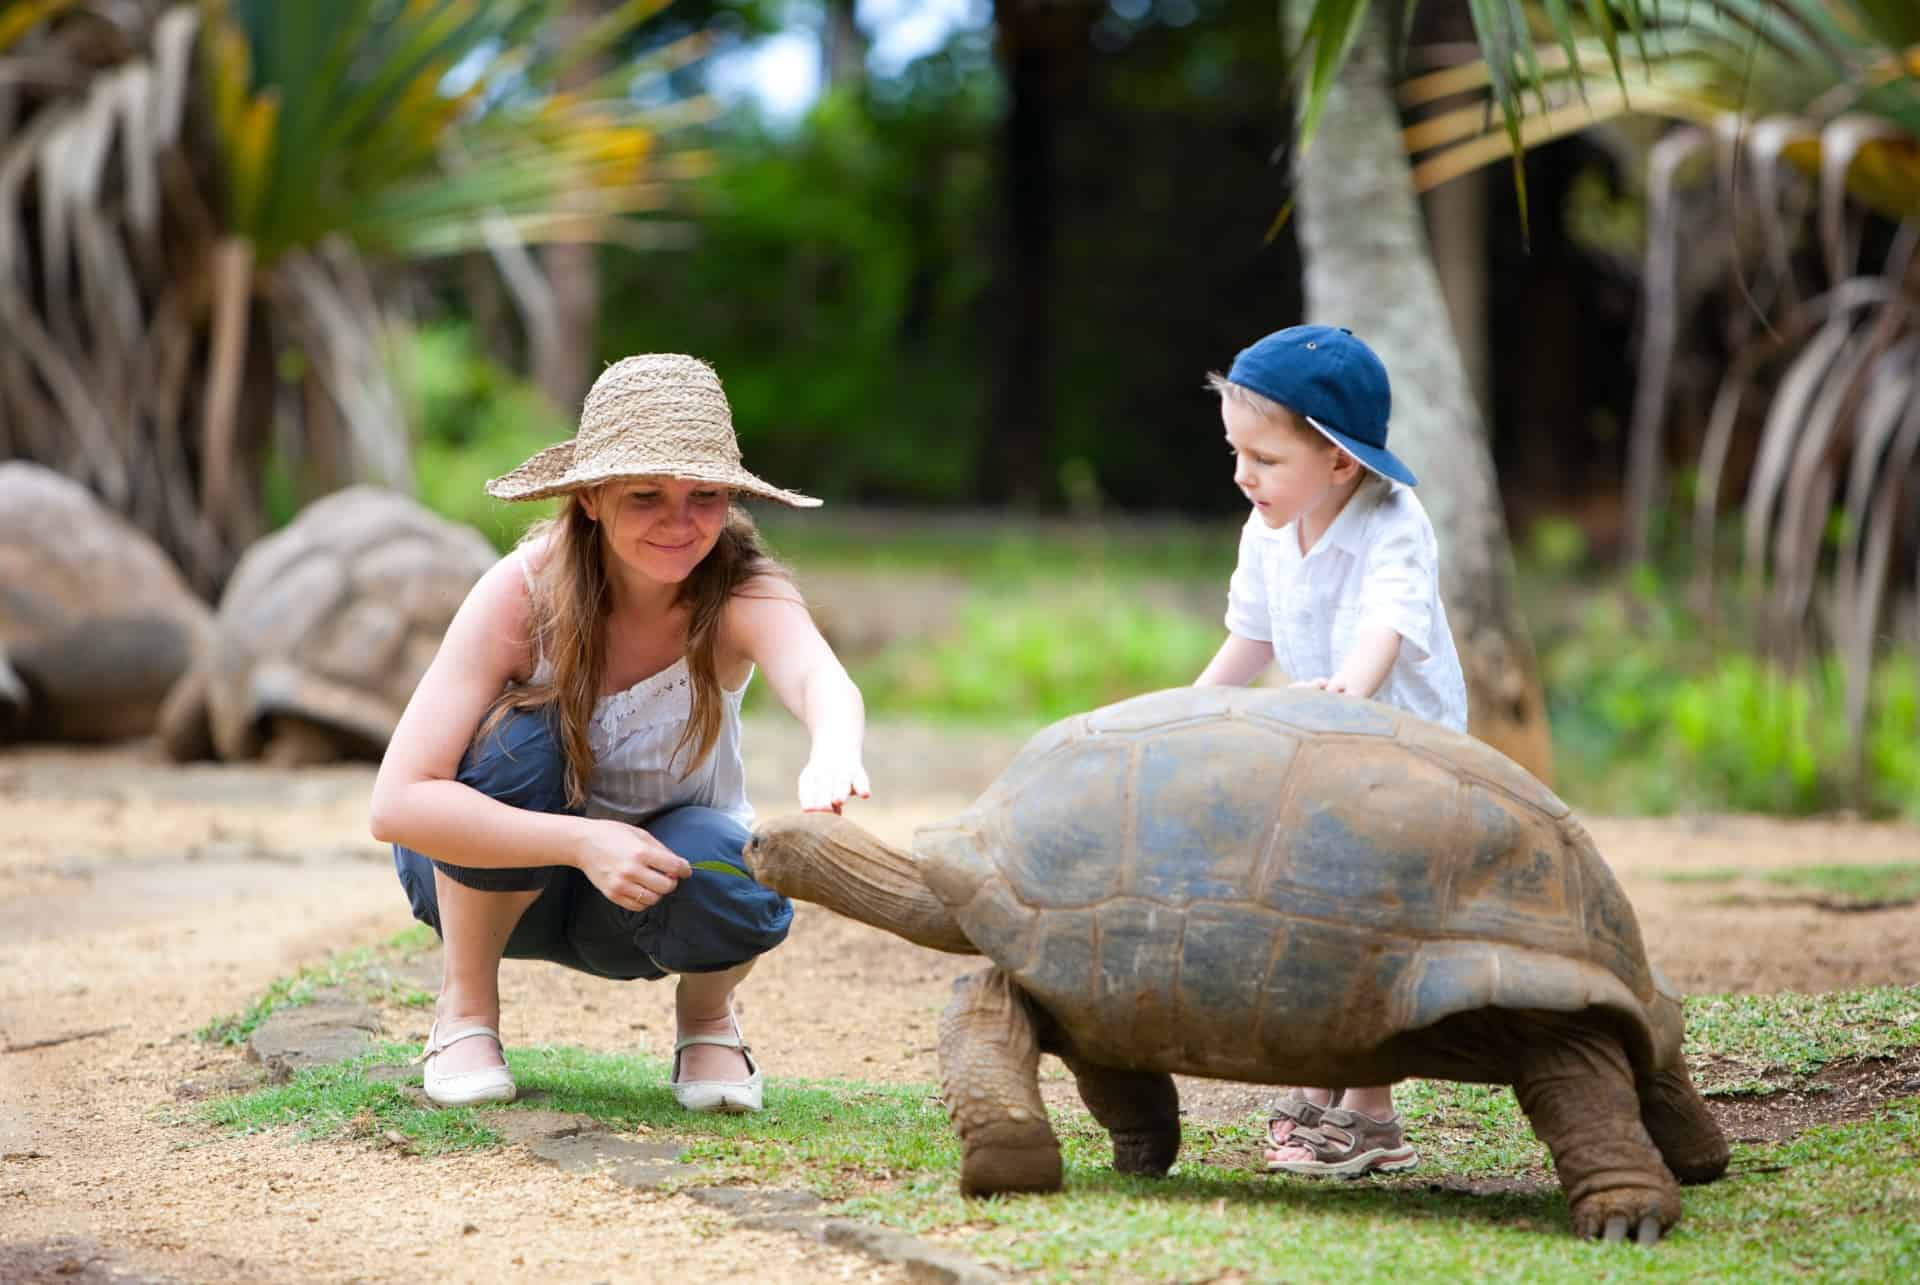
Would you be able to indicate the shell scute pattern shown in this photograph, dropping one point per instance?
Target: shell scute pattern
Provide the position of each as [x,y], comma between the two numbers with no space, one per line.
[335,617]
[1138,943]
[1327,990]
[1470,756]
[1069,815]
[1305,711]
[1612,930]
[1365,838]
[96,623]
[1222,882]
[360,643]
[1151,713]
[1213,792]
[1219,976]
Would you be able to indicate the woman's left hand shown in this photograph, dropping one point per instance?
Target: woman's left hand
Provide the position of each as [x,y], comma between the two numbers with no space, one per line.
[830,778]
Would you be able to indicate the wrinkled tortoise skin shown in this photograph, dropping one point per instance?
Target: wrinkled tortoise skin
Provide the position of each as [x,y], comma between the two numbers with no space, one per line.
[96,624]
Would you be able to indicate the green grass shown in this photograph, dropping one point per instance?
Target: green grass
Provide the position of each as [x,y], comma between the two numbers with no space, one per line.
[362,971]
[339,1100]
[1836,1203]
[1841,886]
[1859,885]
[1775,1039]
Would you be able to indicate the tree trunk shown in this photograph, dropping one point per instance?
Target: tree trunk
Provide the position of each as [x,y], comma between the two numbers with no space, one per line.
[1040,43]
[1367,266]
[843,48]
[563,352]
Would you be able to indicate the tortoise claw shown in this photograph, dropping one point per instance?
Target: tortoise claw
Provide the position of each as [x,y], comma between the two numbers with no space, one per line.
[1649,1231]
[1616,1231]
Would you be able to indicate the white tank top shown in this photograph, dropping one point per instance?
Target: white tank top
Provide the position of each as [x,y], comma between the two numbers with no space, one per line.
[632,735]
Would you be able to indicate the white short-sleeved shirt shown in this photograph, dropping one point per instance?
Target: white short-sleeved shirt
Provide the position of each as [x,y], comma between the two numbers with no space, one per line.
[1378,563]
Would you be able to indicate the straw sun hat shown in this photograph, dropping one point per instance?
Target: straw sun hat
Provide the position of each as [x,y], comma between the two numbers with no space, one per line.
[654,415]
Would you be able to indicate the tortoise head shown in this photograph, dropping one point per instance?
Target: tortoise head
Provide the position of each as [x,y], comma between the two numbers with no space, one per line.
[832,862]
[786,845]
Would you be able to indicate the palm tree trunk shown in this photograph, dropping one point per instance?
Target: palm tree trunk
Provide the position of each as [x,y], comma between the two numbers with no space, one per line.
[563,351]
[1368,267]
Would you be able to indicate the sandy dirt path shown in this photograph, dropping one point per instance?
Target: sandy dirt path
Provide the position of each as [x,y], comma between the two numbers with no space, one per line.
[139,900]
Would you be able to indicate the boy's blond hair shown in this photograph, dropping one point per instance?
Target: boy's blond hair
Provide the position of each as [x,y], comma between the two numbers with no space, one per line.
[1264,406]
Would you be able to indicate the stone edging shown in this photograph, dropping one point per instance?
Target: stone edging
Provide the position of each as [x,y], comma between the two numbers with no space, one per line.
[294,1038]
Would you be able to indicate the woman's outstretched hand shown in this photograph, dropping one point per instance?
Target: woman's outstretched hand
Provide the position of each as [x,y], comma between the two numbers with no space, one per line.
[630,867]
[830,778]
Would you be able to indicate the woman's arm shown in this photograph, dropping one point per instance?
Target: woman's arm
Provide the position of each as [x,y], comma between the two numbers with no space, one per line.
[417,803]
[769,624]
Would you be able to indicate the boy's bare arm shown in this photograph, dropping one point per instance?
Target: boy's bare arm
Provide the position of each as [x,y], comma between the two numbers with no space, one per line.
[1238,662]
[1367,665]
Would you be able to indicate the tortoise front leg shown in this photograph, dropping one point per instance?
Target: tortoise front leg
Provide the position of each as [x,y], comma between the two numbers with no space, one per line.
[1141,1109]
[989,1070]
[1576,1087]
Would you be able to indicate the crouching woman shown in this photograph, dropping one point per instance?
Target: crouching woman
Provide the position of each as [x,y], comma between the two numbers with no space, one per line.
[566,782]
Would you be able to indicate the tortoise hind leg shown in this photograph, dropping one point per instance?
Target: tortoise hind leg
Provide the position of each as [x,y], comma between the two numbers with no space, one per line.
[1677,1120]
[1577,1088]
[1141,1109]
[989,1068]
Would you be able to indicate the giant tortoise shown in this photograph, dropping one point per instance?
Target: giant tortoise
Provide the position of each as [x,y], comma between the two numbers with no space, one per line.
[323,630]
[1285,887]
[96,624]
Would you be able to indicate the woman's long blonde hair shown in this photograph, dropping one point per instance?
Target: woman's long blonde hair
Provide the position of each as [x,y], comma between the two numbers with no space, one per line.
[569,604]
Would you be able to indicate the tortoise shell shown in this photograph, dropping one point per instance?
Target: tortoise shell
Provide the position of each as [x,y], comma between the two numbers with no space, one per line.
[96,624]
[1220,880]
[334,618]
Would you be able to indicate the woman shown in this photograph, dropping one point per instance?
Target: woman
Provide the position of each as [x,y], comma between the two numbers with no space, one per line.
[570,763]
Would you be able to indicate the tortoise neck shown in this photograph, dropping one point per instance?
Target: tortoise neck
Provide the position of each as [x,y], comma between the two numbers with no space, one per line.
[852,873]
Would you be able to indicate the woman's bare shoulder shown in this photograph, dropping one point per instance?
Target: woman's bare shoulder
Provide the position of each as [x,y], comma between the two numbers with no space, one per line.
[532,554]
[497,618]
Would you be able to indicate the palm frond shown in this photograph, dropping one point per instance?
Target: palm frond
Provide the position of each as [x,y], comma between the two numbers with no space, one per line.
[193,196]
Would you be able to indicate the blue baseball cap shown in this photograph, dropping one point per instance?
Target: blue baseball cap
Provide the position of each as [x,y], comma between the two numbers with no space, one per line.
[1328,375]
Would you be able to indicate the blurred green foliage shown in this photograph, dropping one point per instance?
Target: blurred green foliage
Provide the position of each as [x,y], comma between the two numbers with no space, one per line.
[471,420]
[839,287]
[1652,714]
[1046,654]
[851,279]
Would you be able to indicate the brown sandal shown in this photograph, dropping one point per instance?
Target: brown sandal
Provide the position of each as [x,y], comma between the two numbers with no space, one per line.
[1298,1111]
[1346,1144]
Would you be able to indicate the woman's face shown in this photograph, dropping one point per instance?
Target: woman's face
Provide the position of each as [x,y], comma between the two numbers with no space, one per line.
[660,527]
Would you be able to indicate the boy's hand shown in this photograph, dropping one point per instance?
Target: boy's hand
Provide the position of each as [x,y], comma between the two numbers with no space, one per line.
[1334,684]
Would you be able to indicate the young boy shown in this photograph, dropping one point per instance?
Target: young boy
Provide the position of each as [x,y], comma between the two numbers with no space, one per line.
[1338,581]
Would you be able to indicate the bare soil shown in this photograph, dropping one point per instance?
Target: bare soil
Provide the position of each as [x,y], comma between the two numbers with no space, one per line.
[139,900]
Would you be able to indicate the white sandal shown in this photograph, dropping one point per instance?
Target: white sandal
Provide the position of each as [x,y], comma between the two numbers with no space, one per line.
[464,1088]
[734,1097]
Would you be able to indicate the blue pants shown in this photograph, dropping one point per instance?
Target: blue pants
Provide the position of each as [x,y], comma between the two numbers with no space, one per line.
[709,922]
